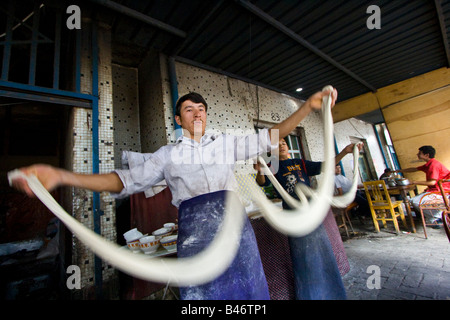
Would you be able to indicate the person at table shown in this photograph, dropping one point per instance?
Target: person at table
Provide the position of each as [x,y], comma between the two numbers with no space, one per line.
[316,273]
[434,171]
[386,174]
[199,170]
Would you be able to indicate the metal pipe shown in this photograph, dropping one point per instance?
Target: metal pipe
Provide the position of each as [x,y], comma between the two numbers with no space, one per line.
[78,61]
[290,33]
[141,17]
[198,27]
[442,25]
[57,51]
[174,92]
[98,276]
[8,40]
[33,49]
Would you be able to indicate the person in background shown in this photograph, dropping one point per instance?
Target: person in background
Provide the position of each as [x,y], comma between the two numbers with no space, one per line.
[343,185]
[386,174]
[200,180]
[316,273]
[434,171]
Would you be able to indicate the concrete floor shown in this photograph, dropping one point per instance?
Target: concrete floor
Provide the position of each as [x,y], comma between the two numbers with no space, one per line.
[387,266]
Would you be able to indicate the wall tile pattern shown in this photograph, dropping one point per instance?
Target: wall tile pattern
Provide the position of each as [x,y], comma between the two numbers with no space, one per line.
[82,153]
[127,135]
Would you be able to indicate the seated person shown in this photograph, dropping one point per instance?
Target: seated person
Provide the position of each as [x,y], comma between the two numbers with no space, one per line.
[343,185]
[434,171]
[386,174]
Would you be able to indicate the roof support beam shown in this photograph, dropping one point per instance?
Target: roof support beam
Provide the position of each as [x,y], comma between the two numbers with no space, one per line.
[290,33]
[440,14]
[198,27]
[141,17]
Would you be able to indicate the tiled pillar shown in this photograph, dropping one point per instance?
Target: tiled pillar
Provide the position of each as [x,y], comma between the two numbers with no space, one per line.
[82,152]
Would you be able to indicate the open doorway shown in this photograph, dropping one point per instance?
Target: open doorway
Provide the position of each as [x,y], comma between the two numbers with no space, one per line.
[367,170]
[32,242]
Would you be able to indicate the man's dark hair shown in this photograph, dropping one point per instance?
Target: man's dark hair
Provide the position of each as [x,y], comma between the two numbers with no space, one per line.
[192,96]
[429,150]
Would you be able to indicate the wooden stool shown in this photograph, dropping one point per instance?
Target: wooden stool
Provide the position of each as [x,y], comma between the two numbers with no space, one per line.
[349,208]
[342,213]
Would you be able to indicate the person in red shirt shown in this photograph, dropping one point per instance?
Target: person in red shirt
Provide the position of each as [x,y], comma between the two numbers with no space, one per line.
[434,171]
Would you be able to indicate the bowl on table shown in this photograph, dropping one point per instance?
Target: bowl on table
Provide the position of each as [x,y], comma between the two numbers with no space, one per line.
[169,225]
[161,233]
[391,183]
[402,182]
[169,242]
[134,246]
[132,235]
[132,238]
[149,244]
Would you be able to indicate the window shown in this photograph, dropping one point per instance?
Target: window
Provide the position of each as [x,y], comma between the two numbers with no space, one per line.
[295,152]
[296,141]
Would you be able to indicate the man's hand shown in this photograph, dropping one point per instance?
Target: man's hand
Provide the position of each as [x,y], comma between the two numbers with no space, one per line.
[52,177]
[349,148]
[315,101]
[257,166]
[49,176]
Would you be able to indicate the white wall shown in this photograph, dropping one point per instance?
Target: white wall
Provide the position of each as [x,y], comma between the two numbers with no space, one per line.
[359,129]
[234,105]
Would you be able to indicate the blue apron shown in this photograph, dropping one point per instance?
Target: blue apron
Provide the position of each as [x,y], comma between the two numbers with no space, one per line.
[199,219]
[316,273]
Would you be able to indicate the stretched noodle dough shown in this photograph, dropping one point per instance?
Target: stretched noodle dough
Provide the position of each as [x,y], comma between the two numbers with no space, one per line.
[216,258]
[305,216]
[199,269]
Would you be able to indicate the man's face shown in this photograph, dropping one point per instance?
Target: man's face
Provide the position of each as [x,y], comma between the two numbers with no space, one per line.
[423,156]
[337,171]
[283,148]
[192,119]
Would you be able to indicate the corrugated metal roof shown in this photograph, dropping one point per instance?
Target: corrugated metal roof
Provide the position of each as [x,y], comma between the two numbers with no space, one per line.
[251,39]
[285,44]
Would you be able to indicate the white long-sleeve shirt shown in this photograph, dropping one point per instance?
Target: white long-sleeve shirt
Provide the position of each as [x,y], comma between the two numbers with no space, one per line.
[342,182]
[191,168]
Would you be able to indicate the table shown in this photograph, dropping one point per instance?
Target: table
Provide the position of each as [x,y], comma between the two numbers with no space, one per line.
[403,191]
[160,252]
